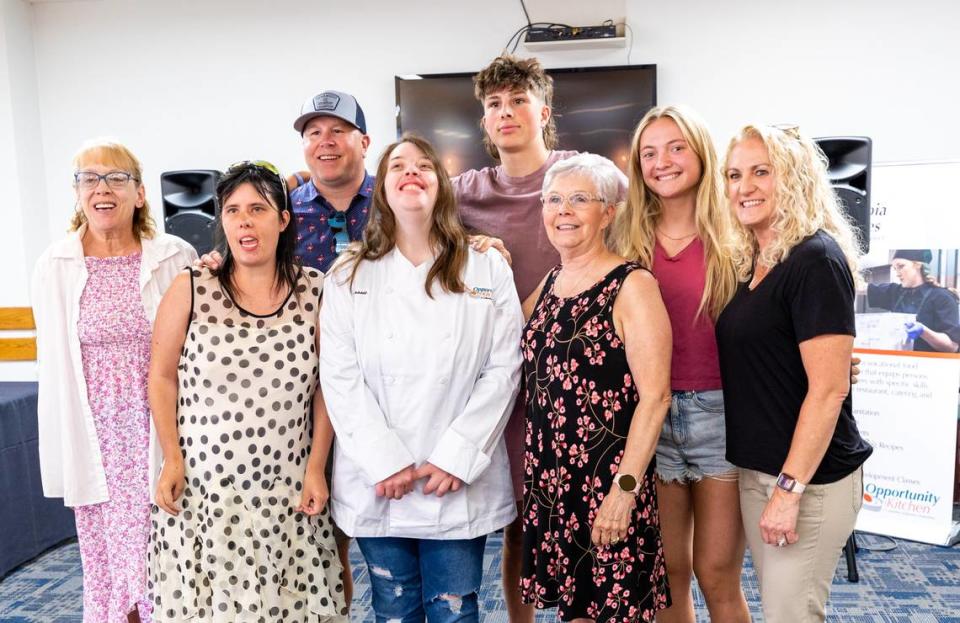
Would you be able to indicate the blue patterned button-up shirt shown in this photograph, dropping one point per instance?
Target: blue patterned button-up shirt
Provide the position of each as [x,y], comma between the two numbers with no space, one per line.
[315,242]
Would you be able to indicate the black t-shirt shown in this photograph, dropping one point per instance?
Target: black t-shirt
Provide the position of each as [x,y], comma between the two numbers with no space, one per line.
[810,293]
[935,308]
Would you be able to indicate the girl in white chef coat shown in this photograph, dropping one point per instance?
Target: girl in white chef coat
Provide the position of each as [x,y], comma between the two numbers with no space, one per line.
[420,365]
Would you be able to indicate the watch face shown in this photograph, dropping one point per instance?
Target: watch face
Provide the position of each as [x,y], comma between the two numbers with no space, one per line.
[785,482]
[627,482]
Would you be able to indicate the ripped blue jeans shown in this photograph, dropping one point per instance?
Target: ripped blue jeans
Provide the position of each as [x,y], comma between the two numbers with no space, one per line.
[417,579]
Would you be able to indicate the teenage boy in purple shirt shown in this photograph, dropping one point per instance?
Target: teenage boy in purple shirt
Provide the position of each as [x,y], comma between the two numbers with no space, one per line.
[504,201]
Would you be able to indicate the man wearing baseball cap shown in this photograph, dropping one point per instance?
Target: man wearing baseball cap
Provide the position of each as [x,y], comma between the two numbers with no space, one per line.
[331,210]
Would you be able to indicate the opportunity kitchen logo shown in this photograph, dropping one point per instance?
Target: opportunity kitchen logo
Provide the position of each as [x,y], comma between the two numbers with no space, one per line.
[901,500]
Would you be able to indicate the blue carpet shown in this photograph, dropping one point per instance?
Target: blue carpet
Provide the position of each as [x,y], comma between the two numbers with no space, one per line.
[913,583]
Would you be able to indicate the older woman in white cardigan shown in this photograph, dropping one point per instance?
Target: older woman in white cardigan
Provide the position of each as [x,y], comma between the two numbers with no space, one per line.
[95,294]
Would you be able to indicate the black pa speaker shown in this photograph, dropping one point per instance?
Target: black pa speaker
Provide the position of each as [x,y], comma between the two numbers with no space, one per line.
[190,205]
[850,160]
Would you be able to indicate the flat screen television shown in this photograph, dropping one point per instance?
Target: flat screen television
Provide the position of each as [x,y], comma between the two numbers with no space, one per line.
[596,110]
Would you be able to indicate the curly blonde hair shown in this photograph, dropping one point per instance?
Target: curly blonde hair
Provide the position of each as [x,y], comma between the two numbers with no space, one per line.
[111,153]
[635,229]
[804,201]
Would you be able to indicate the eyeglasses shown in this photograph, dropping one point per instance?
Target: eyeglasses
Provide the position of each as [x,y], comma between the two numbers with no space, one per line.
[268,167]
[577,201]
[114,179]
[338,225]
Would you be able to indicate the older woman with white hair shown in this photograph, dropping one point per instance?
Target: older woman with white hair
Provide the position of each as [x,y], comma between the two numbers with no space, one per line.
[597,370]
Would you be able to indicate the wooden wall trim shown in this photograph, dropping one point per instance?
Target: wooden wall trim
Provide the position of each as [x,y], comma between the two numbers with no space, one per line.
[18,349]
[12,318]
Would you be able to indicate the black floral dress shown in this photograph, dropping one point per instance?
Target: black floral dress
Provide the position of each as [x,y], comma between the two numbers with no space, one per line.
[581,398]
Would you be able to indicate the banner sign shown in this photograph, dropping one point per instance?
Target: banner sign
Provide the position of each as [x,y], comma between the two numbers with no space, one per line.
[905,402]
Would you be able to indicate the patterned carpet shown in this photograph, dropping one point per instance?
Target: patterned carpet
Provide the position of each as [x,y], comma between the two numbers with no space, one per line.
[912,583]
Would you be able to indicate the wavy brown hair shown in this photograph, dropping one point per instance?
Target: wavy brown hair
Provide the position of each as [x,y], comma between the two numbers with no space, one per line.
[113,154]
[525,74]
[447,234]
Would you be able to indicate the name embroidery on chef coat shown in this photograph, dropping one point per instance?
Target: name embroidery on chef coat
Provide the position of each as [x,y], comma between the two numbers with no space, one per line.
[481,293]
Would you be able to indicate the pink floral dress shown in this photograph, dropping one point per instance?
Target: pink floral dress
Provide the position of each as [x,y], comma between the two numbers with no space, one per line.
[581,398]
[115,346]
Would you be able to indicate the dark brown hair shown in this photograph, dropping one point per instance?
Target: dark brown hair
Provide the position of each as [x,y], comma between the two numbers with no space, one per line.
[270,187]
[525,74]
[447,233]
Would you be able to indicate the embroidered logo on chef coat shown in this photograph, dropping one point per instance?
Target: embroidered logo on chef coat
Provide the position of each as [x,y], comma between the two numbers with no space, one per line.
[481,293]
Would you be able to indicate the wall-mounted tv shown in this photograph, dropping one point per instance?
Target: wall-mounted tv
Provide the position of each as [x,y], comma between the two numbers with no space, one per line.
[596,110]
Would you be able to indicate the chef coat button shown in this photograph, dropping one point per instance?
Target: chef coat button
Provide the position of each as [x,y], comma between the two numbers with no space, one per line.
[389,290]
[443,380]
[389,335]
[447,335]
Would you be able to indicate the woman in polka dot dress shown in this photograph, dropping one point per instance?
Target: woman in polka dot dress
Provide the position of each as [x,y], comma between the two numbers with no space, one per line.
[242,532]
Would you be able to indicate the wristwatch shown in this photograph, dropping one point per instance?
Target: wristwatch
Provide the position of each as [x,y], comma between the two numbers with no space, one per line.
[627,483]
[790,484]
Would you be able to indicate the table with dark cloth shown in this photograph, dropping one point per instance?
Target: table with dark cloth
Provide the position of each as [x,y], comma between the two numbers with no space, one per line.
[29,523]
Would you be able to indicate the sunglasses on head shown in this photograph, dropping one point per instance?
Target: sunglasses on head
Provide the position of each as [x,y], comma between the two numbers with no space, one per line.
[264,166]
[790,129]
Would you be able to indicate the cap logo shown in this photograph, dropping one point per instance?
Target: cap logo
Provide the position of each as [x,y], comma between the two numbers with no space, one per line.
[326,101]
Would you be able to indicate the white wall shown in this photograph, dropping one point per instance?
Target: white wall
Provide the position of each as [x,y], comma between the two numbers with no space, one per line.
[22,234]
[206,83]
[21,159]
[203,84]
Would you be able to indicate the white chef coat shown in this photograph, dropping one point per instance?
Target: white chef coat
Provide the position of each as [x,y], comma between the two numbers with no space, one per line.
[71,466]
[409,379]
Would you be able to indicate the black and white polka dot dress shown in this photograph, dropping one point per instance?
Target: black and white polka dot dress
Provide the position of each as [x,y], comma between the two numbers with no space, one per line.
[238,552]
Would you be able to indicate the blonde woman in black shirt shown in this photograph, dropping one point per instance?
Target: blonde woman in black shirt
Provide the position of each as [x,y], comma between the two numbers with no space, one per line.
[785,342]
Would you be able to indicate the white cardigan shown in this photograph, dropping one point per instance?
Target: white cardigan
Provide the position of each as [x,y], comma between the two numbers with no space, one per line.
[70,463]
[409,379]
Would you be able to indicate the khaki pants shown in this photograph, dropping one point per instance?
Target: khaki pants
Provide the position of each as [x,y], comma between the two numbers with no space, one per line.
[795,579]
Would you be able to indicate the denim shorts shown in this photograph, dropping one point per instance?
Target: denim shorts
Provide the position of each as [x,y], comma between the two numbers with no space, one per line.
[693,441]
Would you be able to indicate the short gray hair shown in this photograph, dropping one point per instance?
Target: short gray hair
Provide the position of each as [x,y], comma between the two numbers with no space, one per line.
[607,179]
